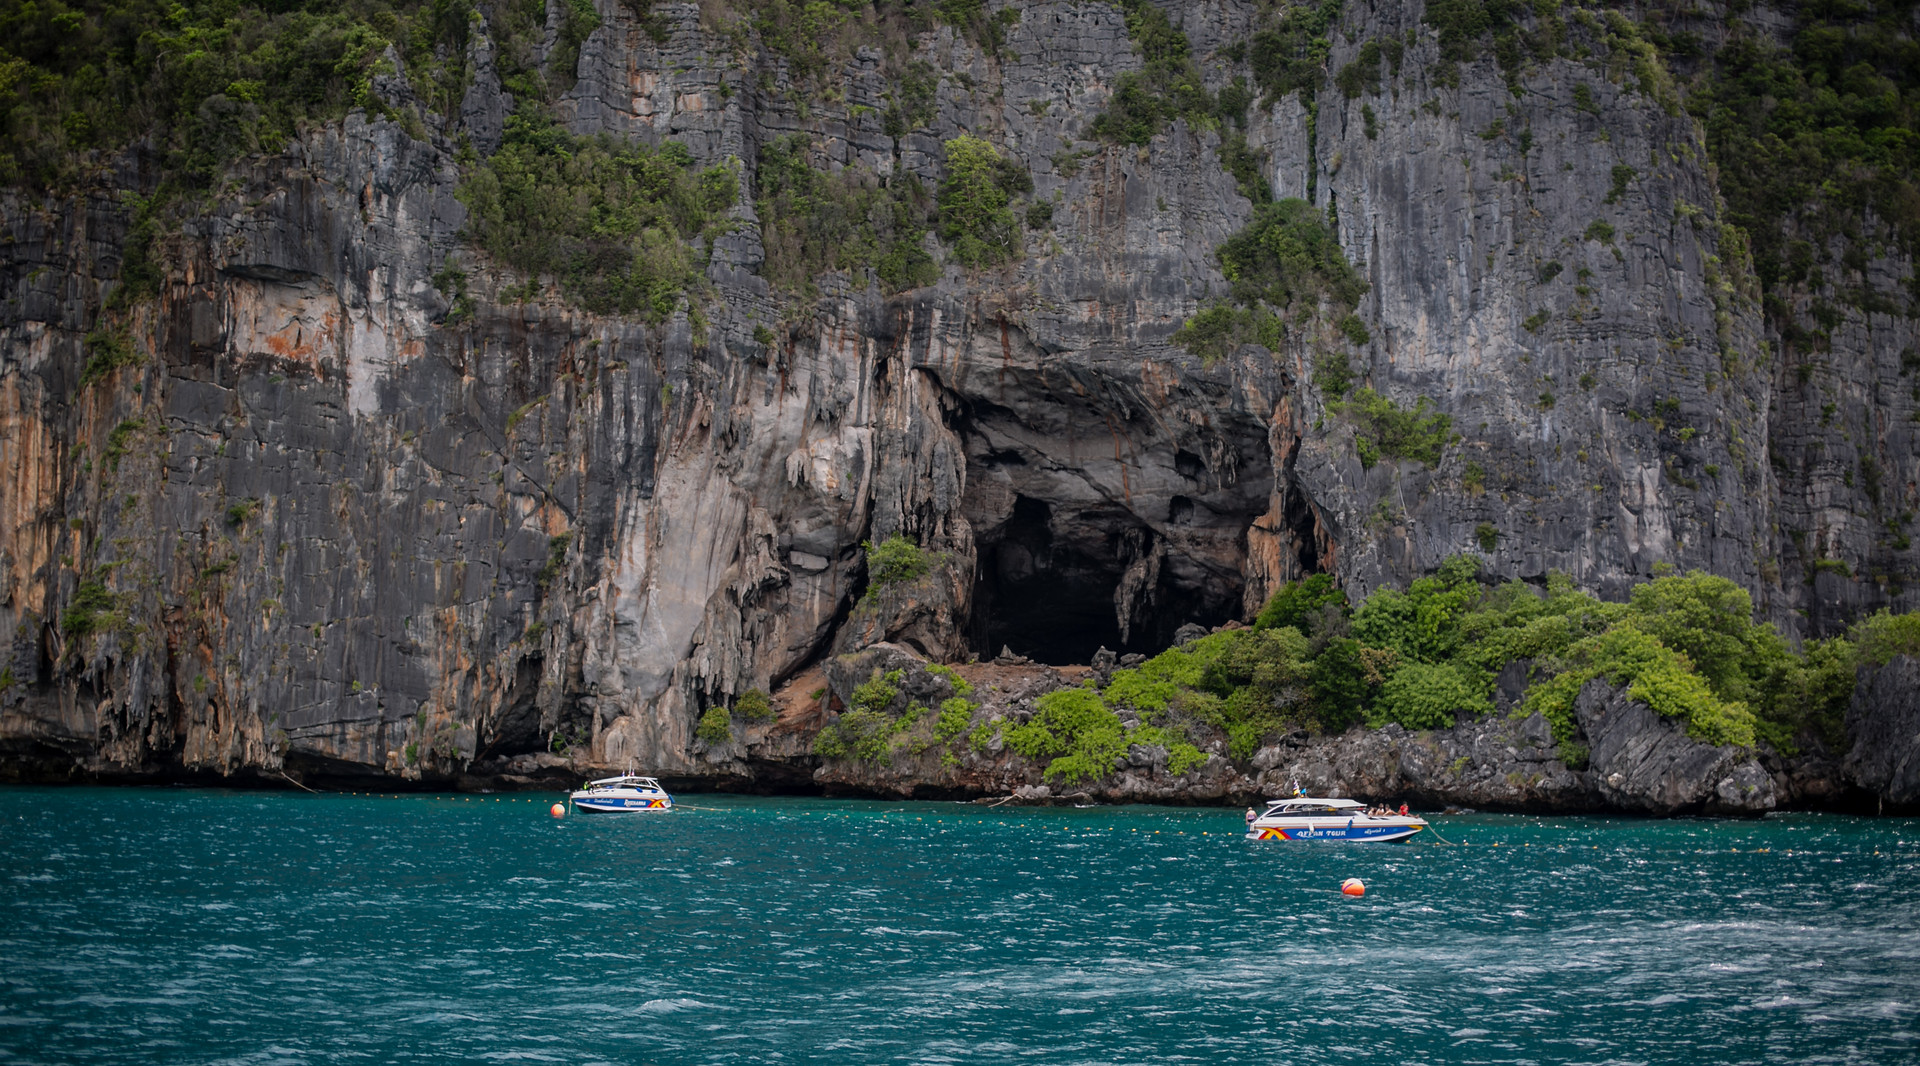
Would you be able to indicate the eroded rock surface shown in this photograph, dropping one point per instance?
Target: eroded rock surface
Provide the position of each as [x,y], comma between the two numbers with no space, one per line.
[1884,722]
[1644,763]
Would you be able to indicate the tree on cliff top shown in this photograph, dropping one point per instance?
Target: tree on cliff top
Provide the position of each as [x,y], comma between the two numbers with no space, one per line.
[813,221]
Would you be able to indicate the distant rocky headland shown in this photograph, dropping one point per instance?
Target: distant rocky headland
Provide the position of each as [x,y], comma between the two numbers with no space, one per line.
[1462,402]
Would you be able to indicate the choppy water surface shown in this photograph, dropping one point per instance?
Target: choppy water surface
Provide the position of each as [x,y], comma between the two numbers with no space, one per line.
[178,926]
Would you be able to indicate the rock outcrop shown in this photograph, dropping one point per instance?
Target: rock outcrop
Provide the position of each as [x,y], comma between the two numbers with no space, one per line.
[1884,724]
[1643,763]
[326,516]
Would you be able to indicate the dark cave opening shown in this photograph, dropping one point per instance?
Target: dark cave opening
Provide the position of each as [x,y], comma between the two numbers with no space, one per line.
[516,729]
[1302,521]
[1051,596]
[1175,605]
[1042,603]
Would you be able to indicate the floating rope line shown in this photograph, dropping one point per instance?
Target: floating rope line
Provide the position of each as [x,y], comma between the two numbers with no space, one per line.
[297,784]
[1440,841]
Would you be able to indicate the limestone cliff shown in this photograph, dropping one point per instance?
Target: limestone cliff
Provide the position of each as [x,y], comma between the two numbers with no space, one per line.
[327,516]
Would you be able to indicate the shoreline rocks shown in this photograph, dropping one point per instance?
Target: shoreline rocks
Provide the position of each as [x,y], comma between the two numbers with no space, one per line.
[1636,762]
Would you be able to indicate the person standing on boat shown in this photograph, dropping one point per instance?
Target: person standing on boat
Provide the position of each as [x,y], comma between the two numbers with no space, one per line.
[1251,815]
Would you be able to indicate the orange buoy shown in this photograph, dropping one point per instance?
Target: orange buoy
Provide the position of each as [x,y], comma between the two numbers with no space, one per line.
[559,810]
[1353,886]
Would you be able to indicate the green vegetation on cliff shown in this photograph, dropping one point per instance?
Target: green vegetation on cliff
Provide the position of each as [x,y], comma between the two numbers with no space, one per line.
[1283,267]
[881,721]
[205,83]
[1883,635]
[1287,255]
[1289,53]
[1383,428]
[1811,111]
[611,221]
[896,561]
[620,228]
[715,726]
[1288,56]
[1287,268]
[1169,84]
[1812,122]
[1428,656]
[813,221]
[976,197]
[754,706]
[94,609]
[1815,141]
[867,728]
[818,38]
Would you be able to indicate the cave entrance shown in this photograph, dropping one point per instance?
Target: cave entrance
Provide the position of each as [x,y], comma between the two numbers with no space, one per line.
[1046,604]
[1301,519]
[1046,587]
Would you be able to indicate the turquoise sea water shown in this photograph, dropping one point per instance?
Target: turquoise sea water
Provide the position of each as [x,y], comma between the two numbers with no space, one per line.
[189,926]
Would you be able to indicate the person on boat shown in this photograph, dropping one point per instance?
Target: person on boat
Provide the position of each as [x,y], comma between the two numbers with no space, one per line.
[1403,810]
[1251,815]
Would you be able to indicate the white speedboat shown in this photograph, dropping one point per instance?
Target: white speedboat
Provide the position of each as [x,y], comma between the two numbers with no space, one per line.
[628,792]
[1313,818]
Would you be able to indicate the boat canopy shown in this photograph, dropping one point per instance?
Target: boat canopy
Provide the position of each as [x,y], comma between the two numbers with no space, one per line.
[625,781]
[1315,802]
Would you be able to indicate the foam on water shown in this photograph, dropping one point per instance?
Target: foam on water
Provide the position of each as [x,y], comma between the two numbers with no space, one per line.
[185,926]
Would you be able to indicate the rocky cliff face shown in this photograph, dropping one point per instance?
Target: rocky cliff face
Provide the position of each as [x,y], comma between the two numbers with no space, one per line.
[1884,723]
[310,523]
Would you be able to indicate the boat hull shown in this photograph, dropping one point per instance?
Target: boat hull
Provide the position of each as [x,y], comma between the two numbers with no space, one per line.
[601,803]
[1355,831]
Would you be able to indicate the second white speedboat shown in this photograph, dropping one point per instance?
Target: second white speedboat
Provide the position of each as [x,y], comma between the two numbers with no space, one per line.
[1314,818]
[619,795]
